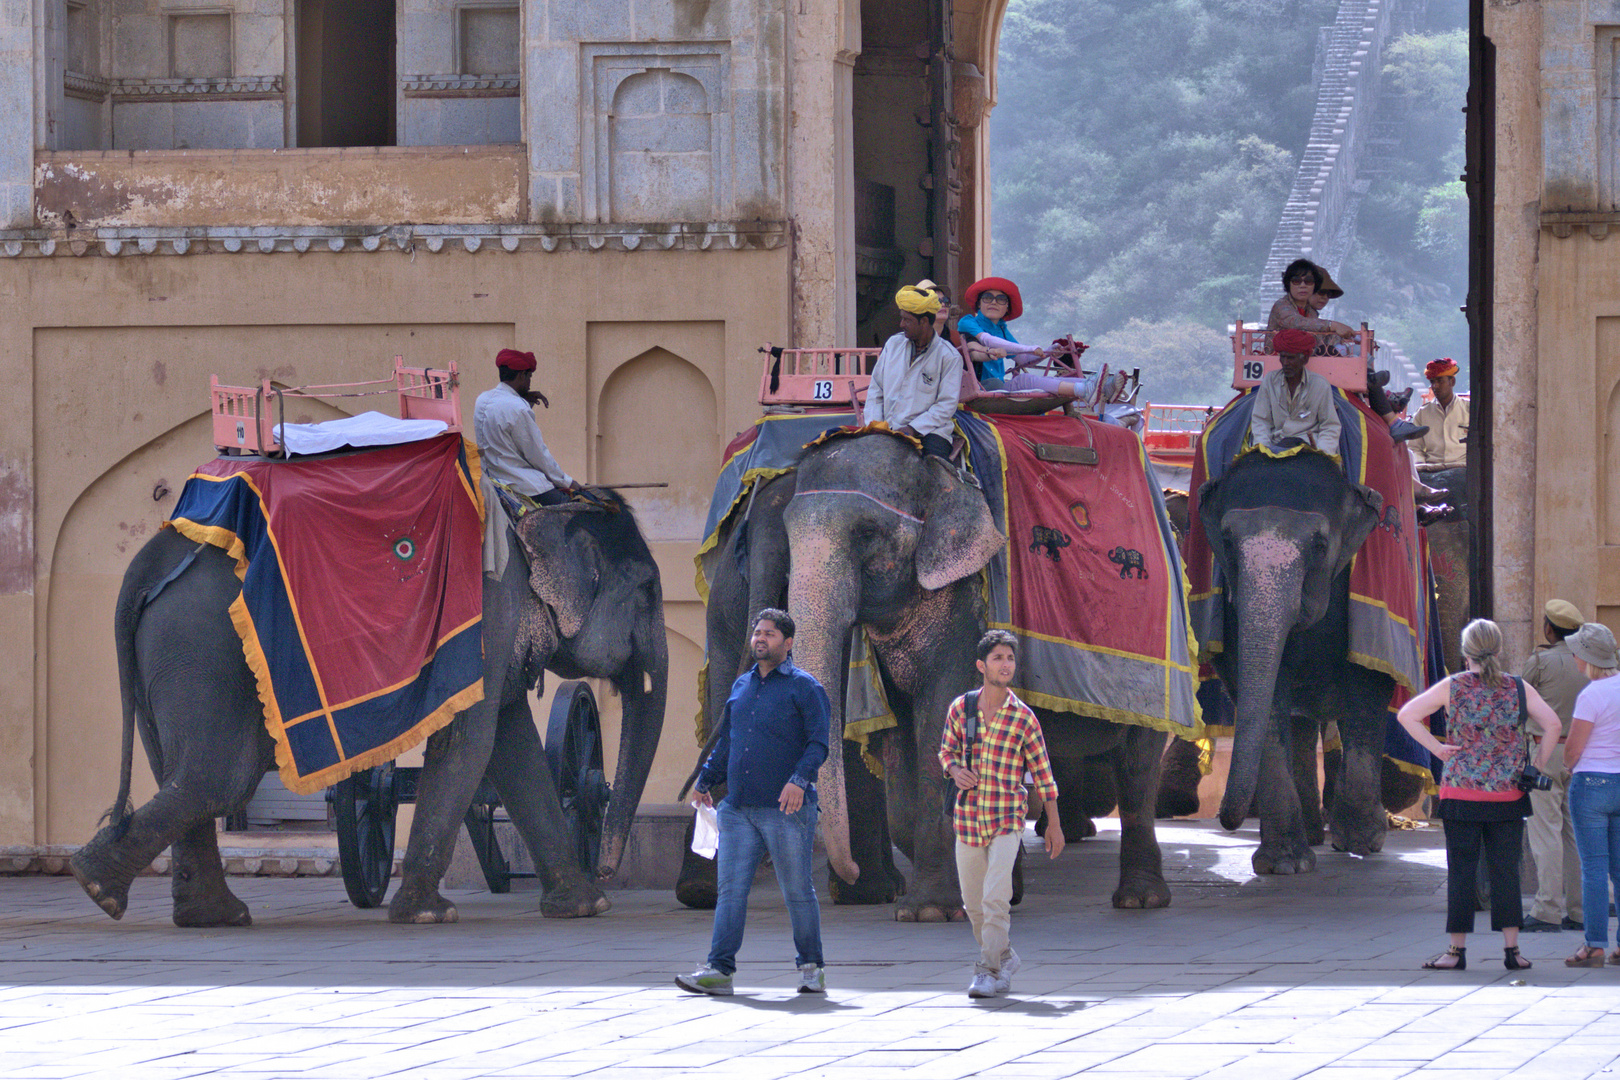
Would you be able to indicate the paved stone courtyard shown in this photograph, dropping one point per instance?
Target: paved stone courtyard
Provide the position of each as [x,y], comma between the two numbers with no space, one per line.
[1243,977]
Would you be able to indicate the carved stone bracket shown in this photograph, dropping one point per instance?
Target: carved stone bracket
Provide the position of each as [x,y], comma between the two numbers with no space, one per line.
[233,88]
[86,87]
[122,243]
[460,86]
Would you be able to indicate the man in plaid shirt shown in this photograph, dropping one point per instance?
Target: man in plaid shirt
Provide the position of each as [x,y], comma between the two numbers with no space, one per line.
[991,801]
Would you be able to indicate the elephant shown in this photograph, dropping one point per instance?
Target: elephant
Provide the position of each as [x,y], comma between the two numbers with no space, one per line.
[1283,532]
[1449,553]
[883,538]
[580,595]
[750,573]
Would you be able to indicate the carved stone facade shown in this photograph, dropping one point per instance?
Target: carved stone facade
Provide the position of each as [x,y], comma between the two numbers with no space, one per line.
[642,191]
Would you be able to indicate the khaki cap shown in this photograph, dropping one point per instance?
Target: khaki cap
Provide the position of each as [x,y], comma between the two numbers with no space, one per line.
[1563,614]
[1594,643]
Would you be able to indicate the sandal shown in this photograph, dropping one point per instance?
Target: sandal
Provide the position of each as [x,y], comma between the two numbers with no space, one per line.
[1587,956]
[1513,961]
[1455,952]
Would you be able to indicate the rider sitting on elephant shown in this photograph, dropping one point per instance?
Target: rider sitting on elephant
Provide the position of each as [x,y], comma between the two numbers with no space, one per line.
[1292,405]
[512,450]
[916,382]
[1307,289]
[994,302]
[1447,416]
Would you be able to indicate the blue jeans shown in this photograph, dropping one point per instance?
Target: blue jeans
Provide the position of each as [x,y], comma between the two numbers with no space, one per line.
[1594,808]
[747,833]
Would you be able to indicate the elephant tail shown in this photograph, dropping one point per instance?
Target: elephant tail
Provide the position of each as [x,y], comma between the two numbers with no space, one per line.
[126,620]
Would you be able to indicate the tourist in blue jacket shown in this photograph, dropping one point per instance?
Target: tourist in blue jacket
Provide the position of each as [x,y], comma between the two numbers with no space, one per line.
[773,739]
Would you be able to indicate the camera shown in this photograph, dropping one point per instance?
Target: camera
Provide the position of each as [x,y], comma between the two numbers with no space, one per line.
[1532,779]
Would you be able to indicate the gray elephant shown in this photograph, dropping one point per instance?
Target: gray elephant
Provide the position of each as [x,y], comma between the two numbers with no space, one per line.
[891,541]
[580,595]
[1283,532]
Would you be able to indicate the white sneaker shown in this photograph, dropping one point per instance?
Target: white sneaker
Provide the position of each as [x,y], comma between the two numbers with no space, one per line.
[982,986]
[1009,967]
[812,980]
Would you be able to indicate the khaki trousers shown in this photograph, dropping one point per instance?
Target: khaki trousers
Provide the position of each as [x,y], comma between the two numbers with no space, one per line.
[1552,844]
[985,874]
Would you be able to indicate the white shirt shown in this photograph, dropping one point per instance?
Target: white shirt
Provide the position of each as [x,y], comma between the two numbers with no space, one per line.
[1600,704]
[1306,413]
[510,444]
[921,392]
[1443,446]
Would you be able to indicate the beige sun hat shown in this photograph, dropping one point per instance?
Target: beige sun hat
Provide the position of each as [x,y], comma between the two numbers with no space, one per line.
[1594,643]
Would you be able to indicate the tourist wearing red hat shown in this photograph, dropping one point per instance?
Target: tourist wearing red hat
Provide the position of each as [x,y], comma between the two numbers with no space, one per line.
[510,446]
[1447,418]
[994,302]
[1292,405]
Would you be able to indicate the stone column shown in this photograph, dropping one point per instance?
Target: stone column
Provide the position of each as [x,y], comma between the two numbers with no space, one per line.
[1516,30]
[823,43]
[17,73]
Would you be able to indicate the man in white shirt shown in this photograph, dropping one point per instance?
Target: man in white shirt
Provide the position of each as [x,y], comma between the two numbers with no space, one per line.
[1293,405]
[512,450]
[918,377]
[1447,417]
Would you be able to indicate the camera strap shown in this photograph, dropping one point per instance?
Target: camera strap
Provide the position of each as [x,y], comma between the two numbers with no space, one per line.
[1524,717]
[970,709]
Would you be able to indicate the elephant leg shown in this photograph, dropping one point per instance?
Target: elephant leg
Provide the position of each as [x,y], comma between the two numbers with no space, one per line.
[699,883]
[453,763]
[522,777]
[935,894]
[1178,780]
[1302,756]
[1136,780]
[106,865]
[1018,877]
[1359,820]
[1282,849]
[201,896]
[879,881]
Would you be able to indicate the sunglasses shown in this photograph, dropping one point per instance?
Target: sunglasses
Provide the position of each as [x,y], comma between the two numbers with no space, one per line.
[993,297]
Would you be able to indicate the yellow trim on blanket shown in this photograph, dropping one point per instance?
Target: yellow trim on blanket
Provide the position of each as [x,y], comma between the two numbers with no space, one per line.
[745,484]
[474,474]
[1103,712]
[363,698]
[1373,663]
[1206,753]
[860,731]
[1418,771]
[253,652]
[1104,650]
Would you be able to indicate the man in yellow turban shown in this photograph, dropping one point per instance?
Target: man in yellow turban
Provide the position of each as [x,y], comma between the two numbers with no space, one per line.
[918,377]
[1444,447]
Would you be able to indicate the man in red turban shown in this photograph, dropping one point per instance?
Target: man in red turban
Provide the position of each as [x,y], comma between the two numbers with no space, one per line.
[1445,446]
[1292,405]
[512,450]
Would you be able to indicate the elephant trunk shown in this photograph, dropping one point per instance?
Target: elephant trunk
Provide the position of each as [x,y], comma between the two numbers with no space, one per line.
[643,687]
[823,600]
[1267,583]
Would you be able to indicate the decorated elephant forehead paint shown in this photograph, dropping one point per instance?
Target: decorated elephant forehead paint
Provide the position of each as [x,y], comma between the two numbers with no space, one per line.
[881,503]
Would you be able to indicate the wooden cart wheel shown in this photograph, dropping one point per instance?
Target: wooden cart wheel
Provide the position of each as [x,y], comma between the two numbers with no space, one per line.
[574,750]
[364,805]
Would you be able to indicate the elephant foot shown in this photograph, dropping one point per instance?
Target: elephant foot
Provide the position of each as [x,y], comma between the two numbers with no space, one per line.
[1087,829]
[1315,836]
[575,902]
[198,911]
[1142,894]
[1360,838]
[1281,860]
[1176,804]
[112,900]
[697,892]
[410,907]
[929,911]
[876,888]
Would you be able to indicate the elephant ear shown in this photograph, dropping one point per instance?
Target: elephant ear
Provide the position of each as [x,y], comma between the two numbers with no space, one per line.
[563,573]
[1209,517]
[958,534]
[1361,518]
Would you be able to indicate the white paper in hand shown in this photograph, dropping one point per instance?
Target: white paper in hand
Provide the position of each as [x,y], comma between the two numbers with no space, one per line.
[706,833]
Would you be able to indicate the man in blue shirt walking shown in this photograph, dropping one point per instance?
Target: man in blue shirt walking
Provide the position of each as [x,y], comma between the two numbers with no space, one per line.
[773,738]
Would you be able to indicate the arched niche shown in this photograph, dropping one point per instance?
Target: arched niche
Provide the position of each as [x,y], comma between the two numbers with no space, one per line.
[661,141]
[657,421]
[104,528]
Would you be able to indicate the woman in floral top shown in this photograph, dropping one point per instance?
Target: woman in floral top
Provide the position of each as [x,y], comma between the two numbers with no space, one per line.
[1481,806]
